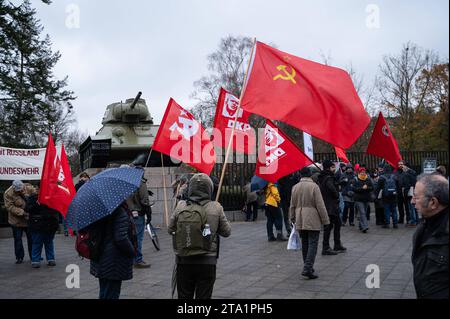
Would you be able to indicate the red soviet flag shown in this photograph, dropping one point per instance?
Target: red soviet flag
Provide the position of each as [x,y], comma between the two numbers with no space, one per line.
[56,189]
[278,156]
[340,153]
[244,140]
[318,99]
[182,137]
[383,144]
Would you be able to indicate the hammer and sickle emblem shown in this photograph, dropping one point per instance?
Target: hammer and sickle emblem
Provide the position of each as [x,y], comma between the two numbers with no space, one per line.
[288,76]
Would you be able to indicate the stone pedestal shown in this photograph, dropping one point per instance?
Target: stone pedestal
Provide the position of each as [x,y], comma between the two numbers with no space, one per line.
[154,176]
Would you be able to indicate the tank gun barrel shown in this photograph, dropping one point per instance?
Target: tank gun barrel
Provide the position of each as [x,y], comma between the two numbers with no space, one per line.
[136,99]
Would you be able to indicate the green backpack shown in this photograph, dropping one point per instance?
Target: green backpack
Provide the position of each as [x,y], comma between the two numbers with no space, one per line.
[188,239]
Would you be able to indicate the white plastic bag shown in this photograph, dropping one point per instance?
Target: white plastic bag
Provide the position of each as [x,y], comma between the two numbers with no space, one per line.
[294,242]
[380,194]
[411,191]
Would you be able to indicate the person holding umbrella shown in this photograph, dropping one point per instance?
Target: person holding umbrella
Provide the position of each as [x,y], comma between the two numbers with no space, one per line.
[102,202]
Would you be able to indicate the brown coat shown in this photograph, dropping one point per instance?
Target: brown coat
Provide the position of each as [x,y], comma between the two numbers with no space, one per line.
[308,210]
[15,206]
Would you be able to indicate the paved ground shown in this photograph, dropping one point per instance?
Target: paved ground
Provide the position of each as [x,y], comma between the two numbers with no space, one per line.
[249,267]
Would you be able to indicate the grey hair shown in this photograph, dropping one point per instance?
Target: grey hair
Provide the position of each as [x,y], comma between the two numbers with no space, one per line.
[435,186]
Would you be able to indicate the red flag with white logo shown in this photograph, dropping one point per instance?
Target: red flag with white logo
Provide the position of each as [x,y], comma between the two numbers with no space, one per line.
[315,98]
[182,137]
[244,140]
[278,156]
[56,189]
[340,153]
[383,144]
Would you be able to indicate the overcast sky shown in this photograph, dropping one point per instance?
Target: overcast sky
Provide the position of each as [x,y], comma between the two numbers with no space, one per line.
[160,47]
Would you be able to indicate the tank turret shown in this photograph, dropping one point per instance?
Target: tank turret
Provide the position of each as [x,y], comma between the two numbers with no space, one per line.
[133,111]
[128,131]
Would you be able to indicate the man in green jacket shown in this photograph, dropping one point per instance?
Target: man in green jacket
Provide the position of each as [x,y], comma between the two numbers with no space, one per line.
[196,270]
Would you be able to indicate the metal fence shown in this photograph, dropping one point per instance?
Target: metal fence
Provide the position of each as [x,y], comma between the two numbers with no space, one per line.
[239,174]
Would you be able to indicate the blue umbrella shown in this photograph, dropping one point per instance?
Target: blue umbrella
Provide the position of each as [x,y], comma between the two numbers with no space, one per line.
[257,183]
[102,194]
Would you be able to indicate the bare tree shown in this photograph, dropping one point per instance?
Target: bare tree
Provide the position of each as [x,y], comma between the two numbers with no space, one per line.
[72,141]
[398,76]
[397,88]
[227,66]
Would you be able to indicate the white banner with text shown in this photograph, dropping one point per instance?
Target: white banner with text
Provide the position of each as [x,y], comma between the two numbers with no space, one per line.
[23,164]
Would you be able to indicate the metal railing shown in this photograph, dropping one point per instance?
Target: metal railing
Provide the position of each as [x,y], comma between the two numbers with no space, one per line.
[238,174]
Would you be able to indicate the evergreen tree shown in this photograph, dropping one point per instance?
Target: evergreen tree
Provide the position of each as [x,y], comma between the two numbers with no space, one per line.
[32,101]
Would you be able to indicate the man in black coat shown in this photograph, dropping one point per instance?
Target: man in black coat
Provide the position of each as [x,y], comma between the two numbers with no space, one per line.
[430,242]
[330,193]
[84,177]
[285,186]
[407,179]
[116,259]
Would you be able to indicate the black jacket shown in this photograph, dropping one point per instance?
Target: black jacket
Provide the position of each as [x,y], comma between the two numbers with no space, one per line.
[329,189]
[346,181]
[285,186]
[380,186]
[116,259]
[41,217]
[406,179]
[430,257]
[362,195]
[79,184]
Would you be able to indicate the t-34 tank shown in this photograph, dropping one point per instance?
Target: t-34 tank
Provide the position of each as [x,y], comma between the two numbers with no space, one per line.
[127,132]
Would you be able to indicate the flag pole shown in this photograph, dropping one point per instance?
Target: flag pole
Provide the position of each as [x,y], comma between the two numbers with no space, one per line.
[166,210]
[148,158]
[235,121]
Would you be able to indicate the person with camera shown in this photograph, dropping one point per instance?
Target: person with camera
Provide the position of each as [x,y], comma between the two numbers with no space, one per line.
[407,182]
[139,205]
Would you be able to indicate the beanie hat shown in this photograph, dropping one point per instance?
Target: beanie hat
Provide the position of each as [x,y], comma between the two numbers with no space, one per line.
[327,164]
[388,168]
[305,172]
[17,185]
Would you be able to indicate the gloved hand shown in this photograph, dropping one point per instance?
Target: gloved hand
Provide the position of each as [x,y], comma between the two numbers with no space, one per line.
[147,210]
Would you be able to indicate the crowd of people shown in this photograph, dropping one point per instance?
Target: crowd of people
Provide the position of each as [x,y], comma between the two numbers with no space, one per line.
[309,200]
[327,199]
